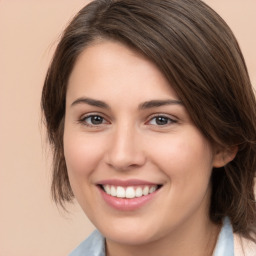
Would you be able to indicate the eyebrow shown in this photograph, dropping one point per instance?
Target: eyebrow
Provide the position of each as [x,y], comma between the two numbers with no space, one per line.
[159,103]
[142,106]
[92,102]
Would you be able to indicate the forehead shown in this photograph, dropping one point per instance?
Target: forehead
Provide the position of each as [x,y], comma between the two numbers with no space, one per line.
[114,68]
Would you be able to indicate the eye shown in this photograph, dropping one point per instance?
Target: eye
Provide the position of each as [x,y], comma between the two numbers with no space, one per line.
[93,120]
[161,120]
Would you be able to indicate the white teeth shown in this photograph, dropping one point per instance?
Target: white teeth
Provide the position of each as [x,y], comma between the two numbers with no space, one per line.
[113,191]
[120,192]
[129,192]
[152,189]
[145,190]
[107,189]
[138,192]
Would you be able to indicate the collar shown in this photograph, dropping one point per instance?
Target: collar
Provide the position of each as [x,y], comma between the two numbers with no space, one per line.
[225,242]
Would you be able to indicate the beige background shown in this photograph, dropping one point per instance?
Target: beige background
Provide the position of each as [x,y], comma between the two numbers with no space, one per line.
[30,224]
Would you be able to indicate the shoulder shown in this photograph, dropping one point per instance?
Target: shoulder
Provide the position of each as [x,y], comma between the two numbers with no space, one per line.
[94,245]
[243,246]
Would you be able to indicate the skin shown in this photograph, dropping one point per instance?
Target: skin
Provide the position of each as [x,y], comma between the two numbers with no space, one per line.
[129,143]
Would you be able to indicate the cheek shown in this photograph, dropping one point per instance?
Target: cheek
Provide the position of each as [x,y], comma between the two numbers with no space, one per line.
[82,153]
[185,159]
[187,163]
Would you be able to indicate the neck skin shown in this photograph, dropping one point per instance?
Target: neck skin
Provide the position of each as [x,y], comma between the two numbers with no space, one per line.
[197,236]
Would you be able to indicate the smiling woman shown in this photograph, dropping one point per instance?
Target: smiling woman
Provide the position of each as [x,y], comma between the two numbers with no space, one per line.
[152,117]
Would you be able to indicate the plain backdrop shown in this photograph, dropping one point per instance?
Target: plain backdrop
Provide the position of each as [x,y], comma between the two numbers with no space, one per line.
[30,223]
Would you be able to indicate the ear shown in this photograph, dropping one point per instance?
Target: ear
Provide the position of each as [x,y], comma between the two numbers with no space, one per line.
[223,156]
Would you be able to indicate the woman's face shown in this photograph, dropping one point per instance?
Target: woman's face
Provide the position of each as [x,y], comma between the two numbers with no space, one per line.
[137,165]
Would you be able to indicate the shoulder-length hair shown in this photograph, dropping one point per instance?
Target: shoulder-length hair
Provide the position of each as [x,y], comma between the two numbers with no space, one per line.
[199,55]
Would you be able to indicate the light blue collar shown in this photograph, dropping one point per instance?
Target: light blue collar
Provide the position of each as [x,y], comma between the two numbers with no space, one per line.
[94,245]
[225,242]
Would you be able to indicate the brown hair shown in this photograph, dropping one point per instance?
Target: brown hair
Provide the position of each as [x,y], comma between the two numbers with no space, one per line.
[199,55]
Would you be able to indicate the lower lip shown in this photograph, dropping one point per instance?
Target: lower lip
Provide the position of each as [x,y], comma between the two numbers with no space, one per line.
[125,204]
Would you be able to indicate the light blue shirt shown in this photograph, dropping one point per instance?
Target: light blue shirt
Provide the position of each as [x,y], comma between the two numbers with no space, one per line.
[94,245]
[225,242]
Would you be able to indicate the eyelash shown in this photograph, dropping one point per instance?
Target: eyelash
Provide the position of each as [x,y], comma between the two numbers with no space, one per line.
[167,118]
[83,120]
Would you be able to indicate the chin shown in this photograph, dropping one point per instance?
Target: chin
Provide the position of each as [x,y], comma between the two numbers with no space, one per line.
[130,234]
[132,238]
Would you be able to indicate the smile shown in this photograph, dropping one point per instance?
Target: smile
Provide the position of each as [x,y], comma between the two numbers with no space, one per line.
[130,191]
[128,195]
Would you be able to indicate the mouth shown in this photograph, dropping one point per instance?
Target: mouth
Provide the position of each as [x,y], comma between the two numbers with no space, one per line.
[129,192]
[128,195]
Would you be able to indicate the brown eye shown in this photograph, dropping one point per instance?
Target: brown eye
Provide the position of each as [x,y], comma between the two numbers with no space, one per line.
[93,120]
[161,120]
[96,120]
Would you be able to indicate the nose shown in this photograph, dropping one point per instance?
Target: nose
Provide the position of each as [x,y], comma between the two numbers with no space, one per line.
[125,149]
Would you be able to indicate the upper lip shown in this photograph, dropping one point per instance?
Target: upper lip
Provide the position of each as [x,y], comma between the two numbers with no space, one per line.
[130,182]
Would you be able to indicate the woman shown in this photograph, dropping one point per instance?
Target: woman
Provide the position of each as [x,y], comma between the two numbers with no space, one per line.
[152,118]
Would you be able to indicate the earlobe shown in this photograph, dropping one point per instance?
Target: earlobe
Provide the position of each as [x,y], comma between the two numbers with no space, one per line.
[223,156]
